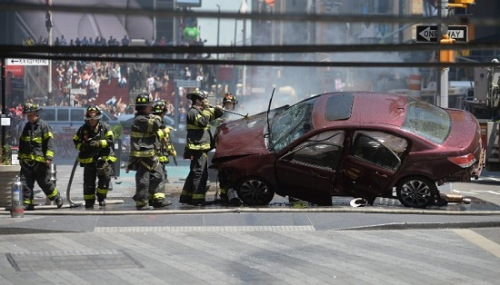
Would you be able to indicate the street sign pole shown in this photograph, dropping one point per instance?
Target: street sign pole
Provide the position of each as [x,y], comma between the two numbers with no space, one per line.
[4,101]
[444,72]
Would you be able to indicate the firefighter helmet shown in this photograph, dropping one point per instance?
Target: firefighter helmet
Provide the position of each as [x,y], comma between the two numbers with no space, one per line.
[93,113]
[197,94]
[30,108]
[229,98]
[159,106]
[142,100]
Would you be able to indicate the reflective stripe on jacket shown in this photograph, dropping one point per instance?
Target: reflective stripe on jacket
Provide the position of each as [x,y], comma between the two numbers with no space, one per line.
[36,142]
[103,134]
[198,128]
[144,141]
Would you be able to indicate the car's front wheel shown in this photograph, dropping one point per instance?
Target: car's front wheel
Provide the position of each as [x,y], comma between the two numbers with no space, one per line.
[416,192]
[254,191]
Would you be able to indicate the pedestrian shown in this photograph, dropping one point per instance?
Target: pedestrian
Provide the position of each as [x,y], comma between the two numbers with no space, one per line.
[36,152]
[166,147]
[145,139]
[95,141]
[199,142]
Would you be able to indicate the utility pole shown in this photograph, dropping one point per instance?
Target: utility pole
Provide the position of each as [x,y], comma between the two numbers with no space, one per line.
[447,56]
[442,83]
[218,27]
[48,24]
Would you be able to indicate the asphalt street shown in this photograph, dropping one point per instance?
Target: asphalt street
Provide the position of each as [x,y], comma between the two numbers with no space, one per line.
[283,243]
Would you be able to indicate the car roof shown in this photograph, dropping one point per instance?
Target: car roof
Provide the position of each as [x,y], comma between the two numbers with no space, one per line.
[363,108]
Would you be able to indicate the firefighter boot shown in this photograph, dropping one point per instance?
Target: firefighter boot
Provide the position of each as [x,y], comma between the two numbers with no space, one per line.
[59,201]
[161,203]
[29,207]
[223,196]
[142,207]
[185,197]
[102,203]
[89,204]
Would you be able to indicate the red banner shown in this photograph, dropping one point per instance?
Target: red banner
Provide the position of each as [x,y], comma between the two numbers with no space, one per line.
[16,70]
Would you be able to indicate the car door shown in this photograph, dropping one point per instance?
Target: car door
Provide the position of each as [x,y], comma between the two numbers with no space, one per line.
[373,160]
[308,170]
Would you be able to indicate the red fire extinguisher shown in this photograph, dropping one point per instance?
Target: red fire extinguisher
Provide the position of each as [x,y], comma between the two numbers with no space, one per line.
[17,209]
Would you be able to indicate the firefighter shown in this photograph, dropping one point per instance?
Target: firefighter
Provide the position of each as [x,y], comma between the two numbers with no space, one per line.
[95,140]
[229,102]
[199,142]
[227,195]
[166,147]
[36,151]
[145,141]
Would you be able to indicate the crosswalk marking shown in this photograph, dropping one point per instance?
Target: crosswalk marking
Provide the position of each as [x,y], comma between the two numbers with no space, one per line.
[479,240]
[204,229]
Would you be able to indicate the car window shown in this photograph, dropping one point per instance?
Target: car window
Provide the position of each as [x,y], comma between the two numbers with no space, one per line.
[63,115]
[47,115]
[291,124]
[427,120]
[323,150]
[374,151]
[77,115]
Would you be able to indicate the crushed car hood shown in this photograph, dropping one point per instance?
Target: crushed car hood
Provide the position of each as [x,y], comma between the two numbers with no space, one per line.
[242,137]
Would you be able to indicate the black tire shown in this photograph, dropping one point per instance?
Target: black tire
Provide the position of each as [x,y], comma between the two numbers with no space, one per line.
[416,192]
[254,191]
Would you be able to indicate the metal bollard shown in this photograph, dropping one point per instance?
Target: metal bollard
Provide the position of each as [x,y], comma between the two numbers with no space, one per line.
[17,209]
[53,179]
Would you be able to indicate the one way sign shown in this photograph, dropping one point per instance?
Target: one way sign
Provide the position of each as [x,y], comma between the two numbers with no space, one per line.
[428,34]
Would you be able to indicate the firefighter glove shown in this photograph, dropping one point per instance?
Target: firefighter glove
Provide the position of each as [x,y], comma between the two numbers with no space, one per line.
[173,153]
[85,146]
[205,104]
[95,144]
[218,112]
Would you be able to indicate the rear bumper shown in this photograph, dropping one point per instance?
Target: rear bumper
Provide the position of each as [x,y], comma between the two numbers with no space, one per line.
[478,168]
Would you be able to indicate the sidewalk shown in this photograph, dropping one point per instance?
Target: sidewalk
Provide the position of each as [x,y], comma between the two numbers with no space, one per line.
[120,200]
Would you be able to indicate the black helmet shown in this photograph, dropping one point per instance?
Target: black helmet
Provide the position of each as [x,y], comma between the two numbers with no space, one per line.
[159,106]
[197,94]
[30,108]
[93,113]
[142,100]
[229,98]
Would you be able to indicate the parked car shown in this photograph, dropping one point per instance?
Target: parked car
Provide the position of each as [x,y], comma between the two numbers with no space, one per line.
[356,144]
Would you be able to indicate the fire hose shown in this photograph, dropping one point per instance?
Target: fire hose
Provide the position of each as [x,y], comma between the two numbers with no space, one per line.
[232,112]
[68,197]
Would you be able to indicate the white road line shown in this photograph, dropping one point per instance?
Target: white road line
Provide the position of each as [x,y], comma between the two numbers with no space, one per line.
[204,229]
[476,192]
[479,240]
[490,178]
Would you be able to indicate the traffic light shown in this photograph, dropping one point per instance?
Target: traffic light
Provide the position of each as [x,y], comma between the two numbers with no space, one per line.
[460,3]
[447,55]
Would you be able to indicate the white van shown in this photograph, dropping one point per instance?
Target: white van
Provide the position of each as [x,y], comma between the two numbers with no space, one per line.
[65,122]
[64,118]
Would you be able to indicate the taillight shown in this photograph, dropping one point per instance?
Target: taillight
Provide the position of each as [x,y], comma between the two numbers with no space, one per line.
[463,161]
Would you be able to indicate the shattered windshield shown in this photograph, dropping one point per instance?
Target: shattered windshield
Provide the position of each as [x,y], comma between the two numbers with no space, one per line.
[291,124]
[428,121]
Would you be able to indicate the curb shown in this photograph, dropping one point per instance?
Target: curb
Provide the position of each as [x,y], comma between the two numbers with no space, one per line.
[52,210]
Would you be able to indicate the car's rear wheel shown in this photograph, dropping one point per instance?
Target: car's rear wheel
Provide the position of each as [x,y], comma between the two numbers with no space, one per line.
[254,191]
[416,192]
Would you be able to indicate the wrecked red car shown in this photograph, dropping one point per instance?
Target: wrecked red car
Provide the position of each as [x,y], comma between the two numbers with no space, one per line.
[357,144]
